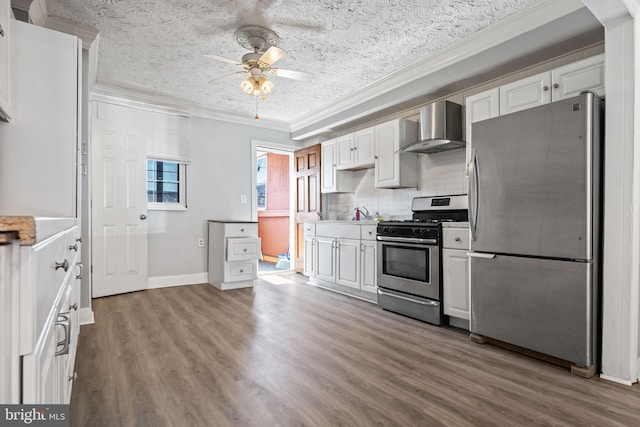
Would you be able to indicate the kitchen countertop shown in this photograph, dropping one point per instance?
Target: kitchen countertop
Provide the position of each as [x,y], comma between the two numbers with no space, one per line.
[231,221]
[345,221]
[461,224]
[32,230]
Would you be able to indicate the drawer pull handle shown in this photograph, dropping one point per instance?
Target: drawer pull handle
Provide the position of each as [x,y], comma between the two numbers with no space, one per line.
[73,247]
[65,321]
[457,239]
[73,377]
[74,306]
[245,249]
[79,275]
[241,271]
[79,239]
[242,230]
[64,265]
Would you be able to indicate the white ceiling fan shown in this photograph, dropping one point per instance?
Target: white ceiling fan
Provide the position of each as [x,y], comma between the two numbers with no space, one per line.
[258,64]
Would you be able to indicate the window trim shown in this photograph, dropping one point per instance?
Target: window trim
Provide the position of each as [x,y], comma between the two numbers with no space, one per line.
[182,189]
[266,163]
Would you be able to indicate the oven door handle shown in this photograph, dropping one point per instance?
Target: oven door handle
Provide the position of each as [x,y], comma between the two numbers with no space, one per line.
[430,303]
[406,240]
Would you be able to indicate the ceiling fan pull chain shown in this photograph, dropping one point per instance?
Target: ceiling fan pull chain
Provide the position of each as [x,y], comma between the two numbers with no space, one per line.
[257,108]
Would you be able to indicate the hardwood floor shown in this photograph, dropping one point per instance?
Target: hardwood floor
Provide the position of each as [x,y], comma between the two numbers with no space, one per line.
[291,354]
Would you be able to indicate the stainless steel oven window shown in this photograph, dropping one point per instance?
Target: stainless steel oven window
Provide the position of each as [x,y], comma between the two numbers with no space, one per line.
[407,262]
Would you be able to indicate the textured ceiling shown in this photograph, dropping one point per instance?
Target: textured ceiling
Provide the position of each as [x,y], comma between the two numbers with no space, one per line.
[157,46]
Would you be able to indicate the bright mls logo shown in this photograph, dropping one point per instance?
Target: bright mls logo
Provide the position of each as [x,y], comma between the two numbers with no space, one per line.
[36,415]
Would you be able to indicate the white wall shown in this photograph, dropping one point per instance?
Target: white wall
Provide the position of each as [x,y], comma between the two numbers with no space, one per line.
[219,172]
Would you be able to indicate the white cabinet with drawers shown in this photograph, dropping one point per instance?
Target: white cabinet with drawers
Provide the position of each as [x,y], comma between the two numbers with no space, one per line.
[50,273]
[455,273]
[234,250]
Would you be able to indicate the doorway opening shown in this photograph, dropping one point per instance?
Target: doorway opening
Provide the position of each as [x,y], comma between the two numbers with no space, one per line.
[273,201]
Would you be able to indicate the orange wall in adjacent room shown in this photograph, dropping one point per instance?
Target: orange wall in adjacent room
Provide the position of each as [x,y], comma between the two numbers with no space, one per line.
[273,222]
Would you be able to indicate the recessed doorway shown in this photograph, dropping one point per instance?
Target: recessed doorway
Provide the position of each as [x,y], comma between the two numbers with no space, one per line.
[272,205]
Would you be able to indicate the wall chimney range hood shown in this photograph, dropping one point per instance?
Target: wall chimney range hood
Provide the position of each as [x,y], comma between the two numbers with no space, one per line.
[440,129]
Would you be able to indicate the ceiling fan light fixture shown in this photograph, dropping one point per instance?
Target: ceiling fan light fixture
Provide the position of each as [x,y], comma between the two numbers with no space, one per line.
[266,85]
[248,86]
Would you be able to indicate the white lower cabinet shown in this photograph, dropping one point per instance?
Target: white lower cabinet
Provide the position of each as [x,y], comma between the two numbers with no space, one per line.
[455,274]
[368,266]
[325,258]
[234,250]
[344,254]
[50,282]
[348,262]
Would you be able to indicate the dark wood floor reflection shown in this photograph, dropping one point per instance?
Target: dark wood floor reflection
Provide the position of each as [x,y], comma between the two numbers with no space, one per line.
[297,355]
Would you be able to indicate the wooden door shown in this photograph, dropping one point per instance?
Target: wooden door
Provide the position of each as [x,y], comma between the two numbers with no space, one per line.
[308,200]
[119,208]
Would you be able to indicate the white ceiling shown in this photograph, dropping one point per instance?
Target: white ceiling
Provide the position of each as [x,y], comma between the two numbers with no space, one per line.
[157,46]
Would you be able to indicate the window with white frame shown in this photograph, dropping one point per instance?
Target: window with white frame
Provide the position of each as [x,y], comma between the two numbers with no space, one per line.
[168,155]
[166,185]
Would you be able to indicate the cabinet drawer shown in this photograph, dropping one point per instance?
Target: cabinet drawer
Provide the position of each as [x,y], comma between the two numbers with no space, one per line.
[241,230]
[340,231]
[368,232]
[455,238]
[309,229]
[242,248]
[238,271]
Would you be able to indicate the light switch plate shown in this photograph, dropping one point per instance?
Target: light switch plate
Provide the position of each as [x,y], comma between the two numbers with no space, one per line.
[243,198]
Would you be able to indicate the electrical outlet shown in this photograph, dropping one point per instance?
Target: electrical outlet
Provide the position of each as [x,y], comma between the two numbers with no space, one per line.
[201,242]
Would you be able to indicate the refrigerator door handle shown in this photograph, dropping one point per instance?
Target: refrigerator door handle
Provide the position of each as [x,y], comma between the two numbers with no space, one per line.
[472,194]
[480,255]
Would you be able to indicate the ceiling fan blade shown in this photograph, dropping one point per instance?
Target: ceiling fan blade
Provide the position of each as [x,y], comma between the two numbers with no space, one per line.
[222,59]
[227,77]
[290,74]
[272,55]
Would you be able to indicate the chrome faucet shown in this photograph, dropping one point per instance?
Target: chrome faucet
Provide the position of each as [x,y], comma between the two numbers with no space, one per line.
[361,214]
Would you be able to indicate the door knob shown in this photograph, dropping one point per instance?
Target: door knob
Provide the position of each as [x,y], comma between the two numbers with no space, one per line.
[143,217]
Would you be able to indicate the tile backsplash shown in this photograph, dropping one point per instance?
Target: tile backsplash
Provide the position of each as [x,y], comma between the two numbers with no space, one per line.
[440,174]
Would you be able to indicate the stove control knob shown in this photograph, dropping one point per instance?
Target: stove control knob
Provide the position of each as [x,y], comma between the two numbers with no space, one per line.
[424,231]
[385,229]
[416,231]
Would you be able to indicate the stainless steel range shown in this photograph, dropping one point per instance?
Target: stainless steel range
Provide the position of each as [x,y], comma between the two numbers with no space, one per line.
[410,258]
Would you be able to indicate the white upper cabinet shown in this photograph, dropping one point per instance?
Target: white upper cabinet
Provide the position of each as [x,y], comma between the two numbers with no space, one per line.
[392,169]
[526,93]
[481,106]
[571,79]
[363,148]
[333,180]
[560,83]
[5,60]
[344,152]
[355,150]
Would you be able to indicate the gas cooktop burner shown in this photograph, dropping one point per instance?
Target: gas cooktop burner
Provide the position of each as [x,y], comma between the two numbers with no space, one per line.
[421,221]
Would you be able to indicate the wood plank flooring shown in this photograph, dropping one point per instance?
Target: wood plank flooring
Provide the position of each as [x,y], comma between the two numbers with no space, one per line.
[297,355]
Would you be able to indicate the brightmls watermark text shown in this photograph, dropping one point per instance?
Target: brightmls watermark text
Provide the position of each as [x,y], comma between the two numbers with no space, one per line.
[34,415]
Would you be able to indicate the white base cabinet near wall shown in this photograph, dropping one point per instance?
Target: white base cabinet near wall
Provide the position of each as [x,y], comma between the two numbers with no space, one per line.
[455,274]
[50,276]
[234,250]
[344,254]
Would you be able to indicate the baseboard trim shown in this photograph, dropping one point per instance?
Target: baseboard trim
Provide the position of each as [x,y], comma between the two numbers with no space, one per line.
[179,280]
[615,380]
[86,316]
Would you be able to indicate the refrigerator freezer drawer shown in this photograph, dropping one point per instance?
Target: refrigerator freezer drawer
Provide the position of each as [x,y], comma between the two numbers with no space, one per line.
[539,304]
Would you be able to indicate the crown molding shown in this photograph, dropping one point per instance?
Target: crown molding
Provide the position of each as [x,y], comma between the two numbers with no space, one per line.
[528,19]
[87,34]
[149,101]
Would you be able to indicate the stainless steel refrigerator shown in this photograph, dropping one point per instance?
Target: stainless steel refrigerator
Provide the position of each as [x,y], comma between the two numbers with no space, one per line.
[534,207]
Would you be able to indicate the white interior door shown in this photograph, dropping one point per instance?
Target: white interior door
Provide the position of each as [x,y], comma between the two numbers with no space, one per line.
[119,208]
